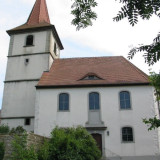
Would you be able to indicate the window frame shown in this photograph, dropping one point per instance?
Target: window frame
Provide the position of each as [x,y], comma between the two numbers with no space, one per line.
[27,121]
[133,140]
[59,102]
[130,108]
[89,102]
[29,45]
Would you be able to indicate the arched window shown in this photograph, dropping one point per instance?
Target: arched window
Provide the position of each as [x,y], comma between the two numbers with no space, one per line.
[94,101]
[29,40]
[64,102]
[127,134]
[125,100]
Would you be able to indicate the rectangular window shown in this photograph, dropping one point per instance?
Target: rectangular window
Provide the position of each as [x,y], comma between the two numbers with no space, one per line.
[127,134]
[64,102]
[94,101]
[27,121]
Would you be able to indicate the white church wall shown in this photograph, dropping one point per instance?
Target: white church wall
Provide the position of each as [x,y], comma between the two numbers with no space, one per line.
[27,70]
[157,114]
[47,116]
[52,42]
[19,99]
[19,43]
[13,123]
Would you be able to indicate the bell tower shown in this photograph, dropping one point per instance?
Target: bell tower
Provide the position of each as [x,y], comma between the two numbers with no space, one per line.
[32,49]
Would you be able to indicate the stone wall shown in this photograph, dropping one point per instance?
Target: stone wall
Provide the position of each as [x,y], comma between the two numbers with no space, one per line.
[31,139]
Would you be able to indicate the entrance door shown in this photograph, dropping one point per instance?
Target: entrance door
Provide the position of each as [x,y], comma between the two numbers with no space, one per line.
[98,139]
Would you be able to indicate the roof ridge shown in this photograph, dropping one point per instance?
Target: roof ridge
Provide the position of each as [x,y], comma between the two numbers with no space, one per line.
[137,69]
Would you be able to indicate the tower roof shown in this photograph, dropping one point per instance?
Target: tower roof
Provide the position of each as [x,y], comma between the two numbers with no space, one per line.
[38,20]
[39,13]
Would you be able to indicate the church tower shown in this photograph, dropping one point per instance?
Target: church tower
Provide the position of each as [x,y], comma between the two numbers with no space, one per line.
[33,48]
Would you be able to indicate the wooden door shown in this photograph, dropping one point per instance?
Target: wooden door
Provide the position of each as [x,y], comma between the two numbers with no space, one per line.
[98,139]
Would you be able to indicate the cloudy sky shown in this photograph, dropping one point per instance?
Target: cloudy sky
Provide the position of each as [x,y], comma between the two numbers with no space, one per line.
[104,38]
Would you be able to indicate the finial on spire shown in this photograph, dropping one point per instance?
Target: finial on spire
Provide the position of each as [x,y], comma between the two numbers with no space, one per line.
[39,13]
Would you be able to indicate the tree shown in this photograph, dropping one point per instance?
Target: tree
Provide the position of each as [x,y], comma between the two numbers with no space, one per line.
[72,143]
[132,10]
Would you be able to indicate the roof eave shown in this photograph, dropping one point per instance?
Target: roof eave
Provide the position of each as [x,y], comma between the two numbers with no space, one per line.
[91,85]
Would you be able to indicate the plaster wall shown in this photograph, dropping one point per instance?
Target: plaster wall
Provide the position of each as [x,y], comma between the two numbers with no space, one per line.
[19,43]
[13,123]
[19,99]
[52,42]
[145,143]
[18,69]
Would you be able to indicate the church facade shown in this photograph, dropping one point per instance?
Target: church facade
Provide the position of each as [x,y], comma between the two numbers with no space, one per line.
[108,96]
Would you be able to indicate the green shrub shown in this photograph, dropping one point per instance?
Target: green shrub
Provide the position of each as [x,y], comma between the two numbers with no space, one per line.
[43,152]
[17,130]
[1,150]
[72,144]
[4,129]
[20,150]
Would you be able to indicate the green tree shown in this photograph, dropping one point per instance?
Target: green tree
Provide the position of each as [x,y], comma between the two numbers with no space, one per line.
[72,143]
[132,10]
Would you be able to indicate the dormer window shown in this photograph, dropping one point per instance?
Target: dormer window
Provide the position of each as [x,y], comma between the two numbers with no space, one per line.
[91,76]
[29,40]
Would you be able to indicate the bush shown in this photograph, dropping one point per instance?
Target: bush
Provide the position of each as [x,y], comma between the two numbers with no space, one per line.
[17,130]
[43,152]
[4,129]
[20,150]
[72,144]
[1,150]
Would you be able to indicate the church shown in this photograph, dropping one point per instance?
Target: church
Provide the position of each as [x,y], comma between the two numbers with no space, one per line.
[108,96]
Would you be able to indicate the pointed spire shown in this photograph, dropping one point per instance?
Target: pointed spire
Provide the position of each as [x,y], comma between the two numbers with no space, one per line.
[39,13]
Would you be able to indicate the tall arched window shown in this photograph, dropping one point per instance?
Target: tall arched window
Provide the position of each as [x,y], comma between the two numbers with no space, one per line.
[29,40]
[64,102]
[127,134]
[125,100]
[94,101]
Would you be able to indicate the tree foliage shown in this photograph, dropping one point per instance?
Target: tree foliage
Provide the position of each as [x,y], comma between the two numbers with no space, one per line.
[155,81]
[152,123]
[64,144]
[4,129]
[83,12]
[151,52]
[20,150]
[73,143]
[132,10]
[2,150]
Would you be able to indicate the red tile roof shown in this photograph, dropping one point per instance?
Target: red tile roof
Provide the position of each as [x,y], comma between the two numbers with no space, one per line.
[39,13]
[38,17]
[112,71]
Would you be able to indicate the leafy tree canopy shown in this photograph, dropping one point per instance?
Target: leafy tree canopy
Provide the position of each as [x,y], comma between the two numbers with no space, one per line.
[132,10]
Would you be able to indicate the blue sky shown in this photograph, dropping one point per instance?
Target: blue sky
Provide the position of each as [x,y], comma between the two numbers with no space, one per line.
[104,38]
